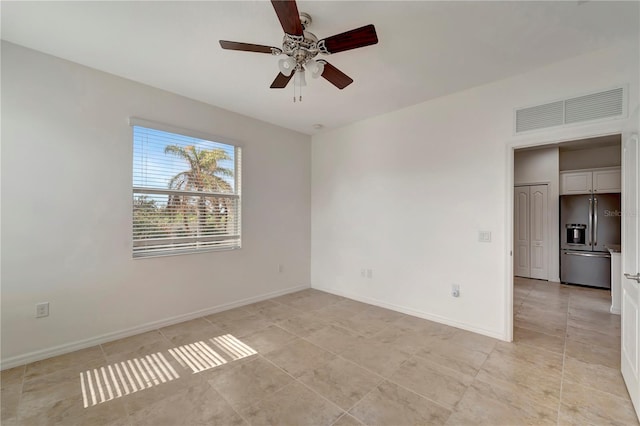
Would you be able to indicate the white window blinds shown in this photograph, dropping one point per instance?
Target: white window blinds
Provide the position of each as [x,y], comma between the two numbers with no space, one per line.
[186,194]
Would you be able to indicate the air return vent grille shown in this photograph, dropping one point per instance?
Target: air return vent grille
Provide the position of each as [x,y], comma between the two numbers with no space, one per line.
[540,116]
[595,106]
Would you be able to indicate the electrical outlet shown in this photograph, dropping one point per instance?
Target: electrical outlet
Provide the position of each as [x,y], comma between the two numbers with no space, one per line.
[363,273]
[42,310]
[280,268]
[455,290]
[369,273]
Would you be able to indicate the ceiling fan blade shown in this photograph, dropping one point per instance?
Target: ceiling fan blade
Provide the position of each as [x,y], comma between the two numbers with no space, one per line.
[287,12]
[281,81]
[335,76]
[360,37]
[245,47]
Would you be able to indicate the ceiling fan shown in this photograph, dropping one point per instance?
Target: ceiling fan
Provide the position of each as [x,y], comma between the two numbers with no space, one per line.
[301,47]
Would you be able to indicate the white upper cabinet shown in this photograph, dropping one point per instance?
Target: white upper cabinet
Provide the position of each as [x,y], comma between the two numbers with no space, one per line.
[576,182]
[607,181]
[588,181]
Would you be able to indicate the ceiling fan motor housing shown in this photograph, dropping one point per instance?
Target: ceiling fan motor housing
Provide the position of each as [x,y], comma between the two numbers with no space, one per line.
[304,47]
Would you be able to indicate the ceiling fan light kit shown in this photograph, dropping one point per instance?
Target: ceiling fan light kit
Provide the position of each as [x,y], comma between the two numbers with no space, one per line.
[301,47]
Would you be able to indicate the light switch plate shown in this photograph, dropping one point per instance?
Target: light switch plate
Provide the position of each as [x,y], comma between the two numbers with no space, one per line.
[484,236]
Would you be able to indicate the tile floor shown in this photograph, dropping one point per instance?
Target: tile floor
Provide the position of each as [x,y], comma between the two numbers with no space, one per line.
[326,360]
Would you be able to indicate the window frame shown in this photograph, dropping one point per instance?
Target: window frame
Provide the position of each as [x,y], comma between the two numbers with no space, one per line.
[237,177]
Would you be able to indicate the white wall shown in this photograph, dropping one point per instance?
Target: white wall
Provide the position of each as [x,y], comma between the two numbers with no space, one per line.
[590,158]
[542,166]
[66,210]
[406,193]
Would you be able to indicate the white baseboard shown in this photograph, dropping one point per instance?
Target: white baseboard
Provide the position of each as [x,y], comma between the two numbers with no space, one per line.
[415,313]
[18,360]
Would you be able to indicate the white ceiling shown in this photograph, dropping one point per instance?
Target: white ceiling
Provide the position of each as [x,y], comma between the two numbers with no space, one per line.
[426,49]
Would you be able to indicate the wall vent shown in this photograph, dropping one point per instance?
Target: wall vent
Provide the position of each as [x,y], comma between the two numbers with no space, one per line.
[595,106]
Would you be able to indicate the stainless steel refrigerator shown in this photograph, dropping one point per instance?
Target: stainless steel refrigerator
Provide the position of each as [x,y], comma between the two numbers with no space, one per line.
[588,223]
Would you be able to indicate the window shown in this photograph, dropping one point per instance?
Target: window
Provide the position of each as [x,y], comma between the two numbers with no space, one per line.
[186,193]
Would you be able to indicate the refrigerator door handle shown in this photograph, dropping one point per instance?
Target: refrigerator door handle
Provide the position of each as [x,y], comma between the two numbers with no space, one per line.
[595,221]
[587,254]
[590,220]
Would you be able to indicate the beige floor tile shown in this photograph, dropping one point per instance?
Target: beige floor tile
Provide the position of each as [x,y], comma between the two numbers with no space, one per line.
[268,339]
[62,403]
[547,321]
[286,299]
[257,306]
[275,312]
[383,359]
[523,336]
[199,404]
[140,344]
[339,311]
[341,381]
[189,332]
[9,399]
[237,313]
[608,356]
[303,325]
[546,301]
[249,382]
[593,299]
[12,376]
[595,376]
[347,420]
[143,397]
[537,373]
[242,326]
[464,360]
[582,405]
[595,316]
[390,404]
[299,356]
[499,404]
[474,341]
[334,339]
[194,325]
[353,305]
[424,326]
[592,337]
[370,321]
[401,338]
[434,381]
[306,304]
[309,302]
[546,327]
[293,405]
[89,356]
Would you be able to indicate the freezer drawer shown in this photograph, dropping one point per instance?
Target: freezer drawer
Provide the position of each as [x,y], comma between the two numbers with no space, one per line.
[586,268]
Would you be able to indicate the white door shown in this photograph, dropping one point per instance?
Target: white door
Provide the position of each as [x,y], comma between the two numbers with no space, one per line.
[630,318]
[538,231]
[521,243]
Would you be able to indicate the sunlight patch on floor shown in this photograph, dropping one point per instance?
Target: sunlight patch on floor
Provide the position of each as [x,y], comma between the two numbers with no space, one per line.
[121,379]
